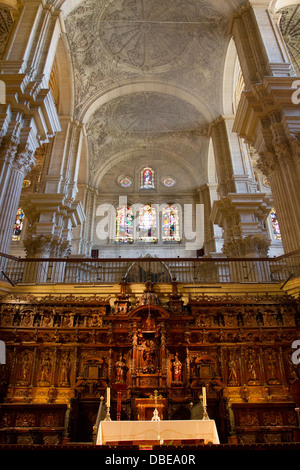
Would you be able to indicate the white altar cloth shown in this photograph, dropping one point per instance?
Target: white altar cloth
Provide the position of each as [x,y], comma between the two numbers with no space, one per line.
[111,431]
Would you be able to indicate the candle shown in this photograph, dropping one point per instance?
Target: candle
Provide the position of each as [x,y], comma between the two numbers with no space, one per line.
[204,395]
[108,397]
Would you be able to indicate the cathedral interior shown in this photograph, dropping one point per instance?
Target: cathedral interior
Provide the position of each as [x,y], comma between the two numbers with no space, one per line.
[149,217]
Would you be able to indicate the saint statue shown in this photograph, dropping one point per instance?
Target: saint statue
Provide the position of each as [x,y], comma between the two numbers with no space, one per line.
[176,366]
[121,370]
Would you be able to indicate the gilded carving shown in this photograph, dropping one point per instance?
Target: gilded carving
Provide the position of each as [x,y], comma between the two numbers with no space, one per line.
[76,347]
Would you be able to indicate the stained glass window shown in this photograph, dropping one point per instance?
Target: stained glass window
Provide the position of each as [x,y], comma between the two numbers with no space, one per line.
[169,181]
[147,178]
[26,184]
[124,227]
[19,222]
[170,223]
[125,182]
[148,224]
[275,225]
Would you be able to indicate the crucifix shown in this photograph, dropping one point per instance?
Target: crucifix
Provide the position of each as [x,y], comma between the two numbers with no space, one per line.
[155,413]
[156,397]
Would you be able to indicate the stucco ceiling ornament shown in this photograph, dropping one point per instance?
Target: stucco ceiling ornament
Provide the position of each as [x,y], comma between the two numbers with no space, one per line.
[157,120]
[290,28]
[123,41]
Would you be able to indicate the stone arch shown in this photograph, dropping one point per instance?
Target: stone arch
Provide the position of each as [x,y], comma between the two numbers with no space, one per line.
[200,104]
[211,171]
[276,5]
[120,156]
[232,71]
[65,78]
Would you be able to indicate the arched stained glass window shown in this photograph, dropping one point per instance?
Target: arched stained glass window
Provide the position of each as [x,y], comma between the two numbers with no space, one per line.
[18,227]
[148,224]
[147,178]
[170,223]
[275,225]
[124,225]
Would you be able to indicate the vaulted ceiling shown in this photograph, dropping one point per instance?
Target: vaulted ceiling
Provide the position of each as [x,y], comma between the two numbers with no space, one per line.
[148,81]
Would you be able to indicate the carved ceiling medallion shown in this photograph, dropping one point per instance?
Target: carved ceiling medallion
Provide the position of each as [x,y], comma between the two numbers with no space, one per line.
[145,33]
[290,28]
[154,113]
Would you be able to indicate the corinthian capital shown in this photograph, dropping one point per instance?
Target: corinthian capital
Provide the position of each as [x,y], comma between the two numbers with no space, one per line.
[24,159]
[284,150]
[253,246]
[9,147]
[268,162]
[295,147]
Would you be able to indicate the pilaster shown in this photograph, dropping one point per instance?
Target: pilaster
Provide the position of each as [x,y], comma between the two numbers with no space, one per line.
[280,162]
[242,218]
[52,218]
[267,119]
[23,161]
[29,118]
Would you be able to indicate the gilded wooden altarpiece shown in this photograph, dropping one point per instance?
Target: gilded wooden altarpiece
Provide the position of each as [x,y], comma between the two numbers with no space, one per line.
[64,351]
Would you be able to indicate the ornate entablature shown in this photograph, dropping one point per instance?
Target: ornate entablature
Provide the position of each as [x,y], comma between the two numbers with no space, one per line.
[66,348]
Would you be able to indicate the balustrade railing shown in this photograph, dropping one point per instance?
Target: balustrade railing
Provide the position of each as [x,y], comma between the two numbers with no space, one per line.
[185,270]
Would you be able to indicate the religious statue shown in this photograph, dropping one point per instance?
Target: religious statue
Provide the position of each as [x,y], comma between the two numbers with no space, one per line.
[149,357]
[46,368]
[252,368]
[149,324]
[271,367]
[176,368]
[25,370]
[65,369]
[232,376]
[121,370]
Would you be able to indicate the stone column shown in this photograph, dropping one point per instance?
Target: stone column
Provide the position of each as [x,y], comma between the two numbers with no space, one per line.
[240,210]
[259,45]
[213,240]
[267,119]
[281,164]
[54,211]
[21,164]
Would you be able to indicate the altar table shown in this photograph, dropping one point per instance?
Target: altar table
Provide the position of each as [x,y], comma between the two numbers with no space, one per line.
[112,431]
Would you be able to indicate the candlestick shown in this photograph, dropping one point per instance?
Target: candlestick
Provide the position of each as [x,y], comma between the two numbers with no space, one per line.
[204,403]
[108,397]
[204,396]
[107,418]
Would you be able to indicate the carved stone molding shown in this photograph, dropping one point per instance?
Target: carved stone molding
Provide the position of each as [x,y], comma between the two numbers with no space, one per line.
[9,147]
[46,245]
[6,23]
[290,29]
[243,247]
[24,159]
[284,150]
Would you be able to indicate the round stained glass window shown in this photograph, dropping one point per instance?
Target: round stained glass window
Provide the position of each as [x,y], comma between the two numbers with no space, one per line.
[169,182]
[26,184]
[125,182]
